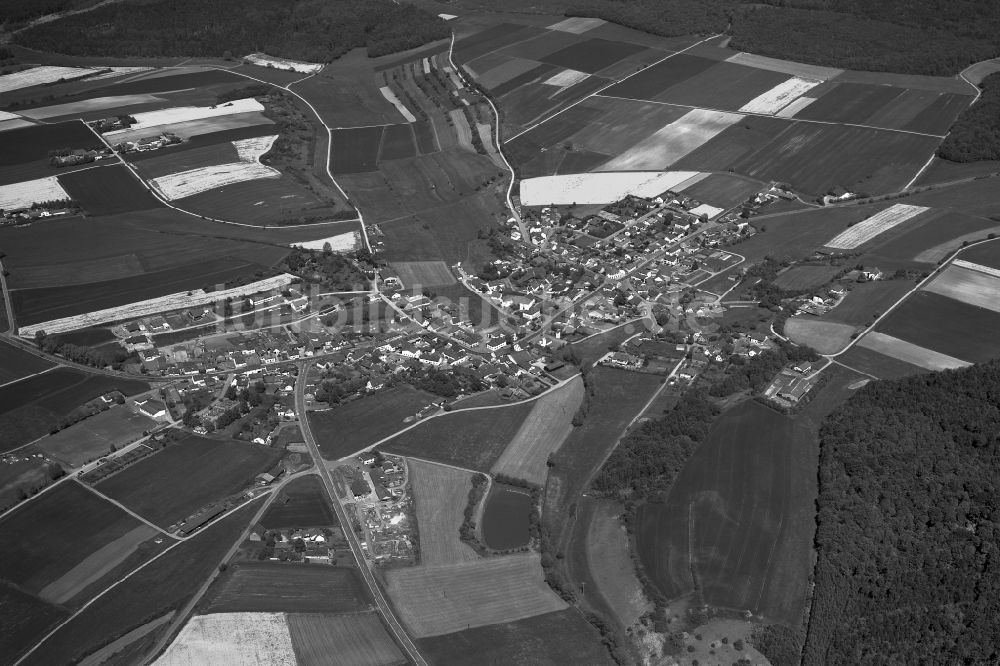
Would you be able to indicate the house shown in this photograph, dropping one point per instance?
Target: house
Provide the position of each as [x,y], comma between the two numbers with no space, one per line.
[154,409]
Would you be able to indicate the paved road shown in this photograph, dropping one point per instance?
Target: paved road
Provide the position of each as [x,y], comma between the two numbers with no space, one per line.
[390,617]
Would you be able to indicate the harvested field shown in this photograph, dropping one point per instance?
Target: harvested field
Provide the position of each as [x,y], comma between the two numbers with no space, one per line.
[169,486]
[806,277]
[198,127]
[300,503]
[793,109]
[441,494]
[289,587]
[423,273]
[189,183]
[594,188]
[544,430]
[392,99]
[910,353]
[355,150]
[240,639]
[674,141]
[96,565]
[16,363]
[565,78]
[652,81]
[785,66]
[576,25]
[39,76]
[159,587]
[95,436]
[864,231]
[108,190]
[346,242]
[21,195]
[528,642]
[878,365]
[26,144]
[93,104]
[826,337]
[346,429]
[968,285]
[398,143]
[342,640]
[439,600]
[749,476]
[470,438]
[183,114]
[265,60]
[37,559]
[774,100]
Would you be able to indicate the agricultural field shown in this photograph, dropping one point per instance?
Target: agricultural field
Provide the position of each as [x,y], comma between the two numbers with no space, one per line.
[528,642]
[291,587]
[416,274]
[443,599]
[300,503]
[161,586]
[506,518]
[169,486]
[96,436]
[867,300]
[826,337]
[755,487]
[358,639]
[108,190]
[23,195]
[470,438]
[969,283]
[16,363]
[877,364]
[599,188]
[877,224]
[908,352]
[945,326]
[544,430]
[47,574]
[440,494]
[346,429]
[268,201]
[34,406]
[232,638]
[26,145]
[355,150]
[797,234]
[806,276]
[984,254]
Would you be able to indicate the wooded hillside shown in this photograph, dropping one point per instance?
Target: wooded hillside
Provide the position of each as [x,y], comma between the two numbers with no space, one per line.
[975,135]
[312,30]
[909,524]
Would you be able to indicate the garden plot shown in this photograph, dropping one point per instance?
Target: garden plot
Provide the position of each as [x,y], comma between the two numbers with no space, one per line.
[83,106]
[22,195]
[392,99]
[785,67]
[867,229]
[780,96]
[910,353]
[963,281]
[566,78]
[347,242]
[257,639]
[673,141]
[202,179]
[181,114]
[38,76]
[594,188]
[265,60]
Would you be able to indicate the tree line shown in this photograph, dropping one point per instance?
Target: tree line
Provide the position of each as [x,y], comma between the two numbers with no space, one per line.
[908,566]
[975,136]
[312,30]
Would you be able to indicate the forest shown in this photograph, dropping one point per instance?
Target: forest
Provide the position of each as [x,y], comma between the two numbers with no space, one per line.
[909,524]
[311,30]
[975,136]
[935,37]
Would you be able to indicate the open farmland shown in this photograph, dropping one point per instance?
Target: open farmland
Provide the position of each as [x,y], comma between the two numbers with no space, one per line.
[440,494]
[398,142]
[358,639]
[749,475]
[96,436]
[544,430]
[806,277]
[471,438]
[26,619]
[346,429]
[598,188]
[29,144]
[22,195]
[527,642]
[984,254]
[345,93]
[910,353]
[267,201]
[878,364]
[232,638]
[197,127]
[101,104]
[169,486]
[16,364]
[161,586]
[945,326]
[301,503]
[826,337]
[202,179]
[864,231]
[344,242]
[433,600]
[38,561]
[355,150]
[867,300]
[32,407]
[39,76]
[282,586]
[969,283]
[166,162]
[108,190]
[414,274]
[722,189]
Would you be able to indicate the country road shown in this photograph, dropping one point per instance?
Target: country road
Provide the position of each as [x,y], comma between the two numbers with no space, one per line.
[390,617]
